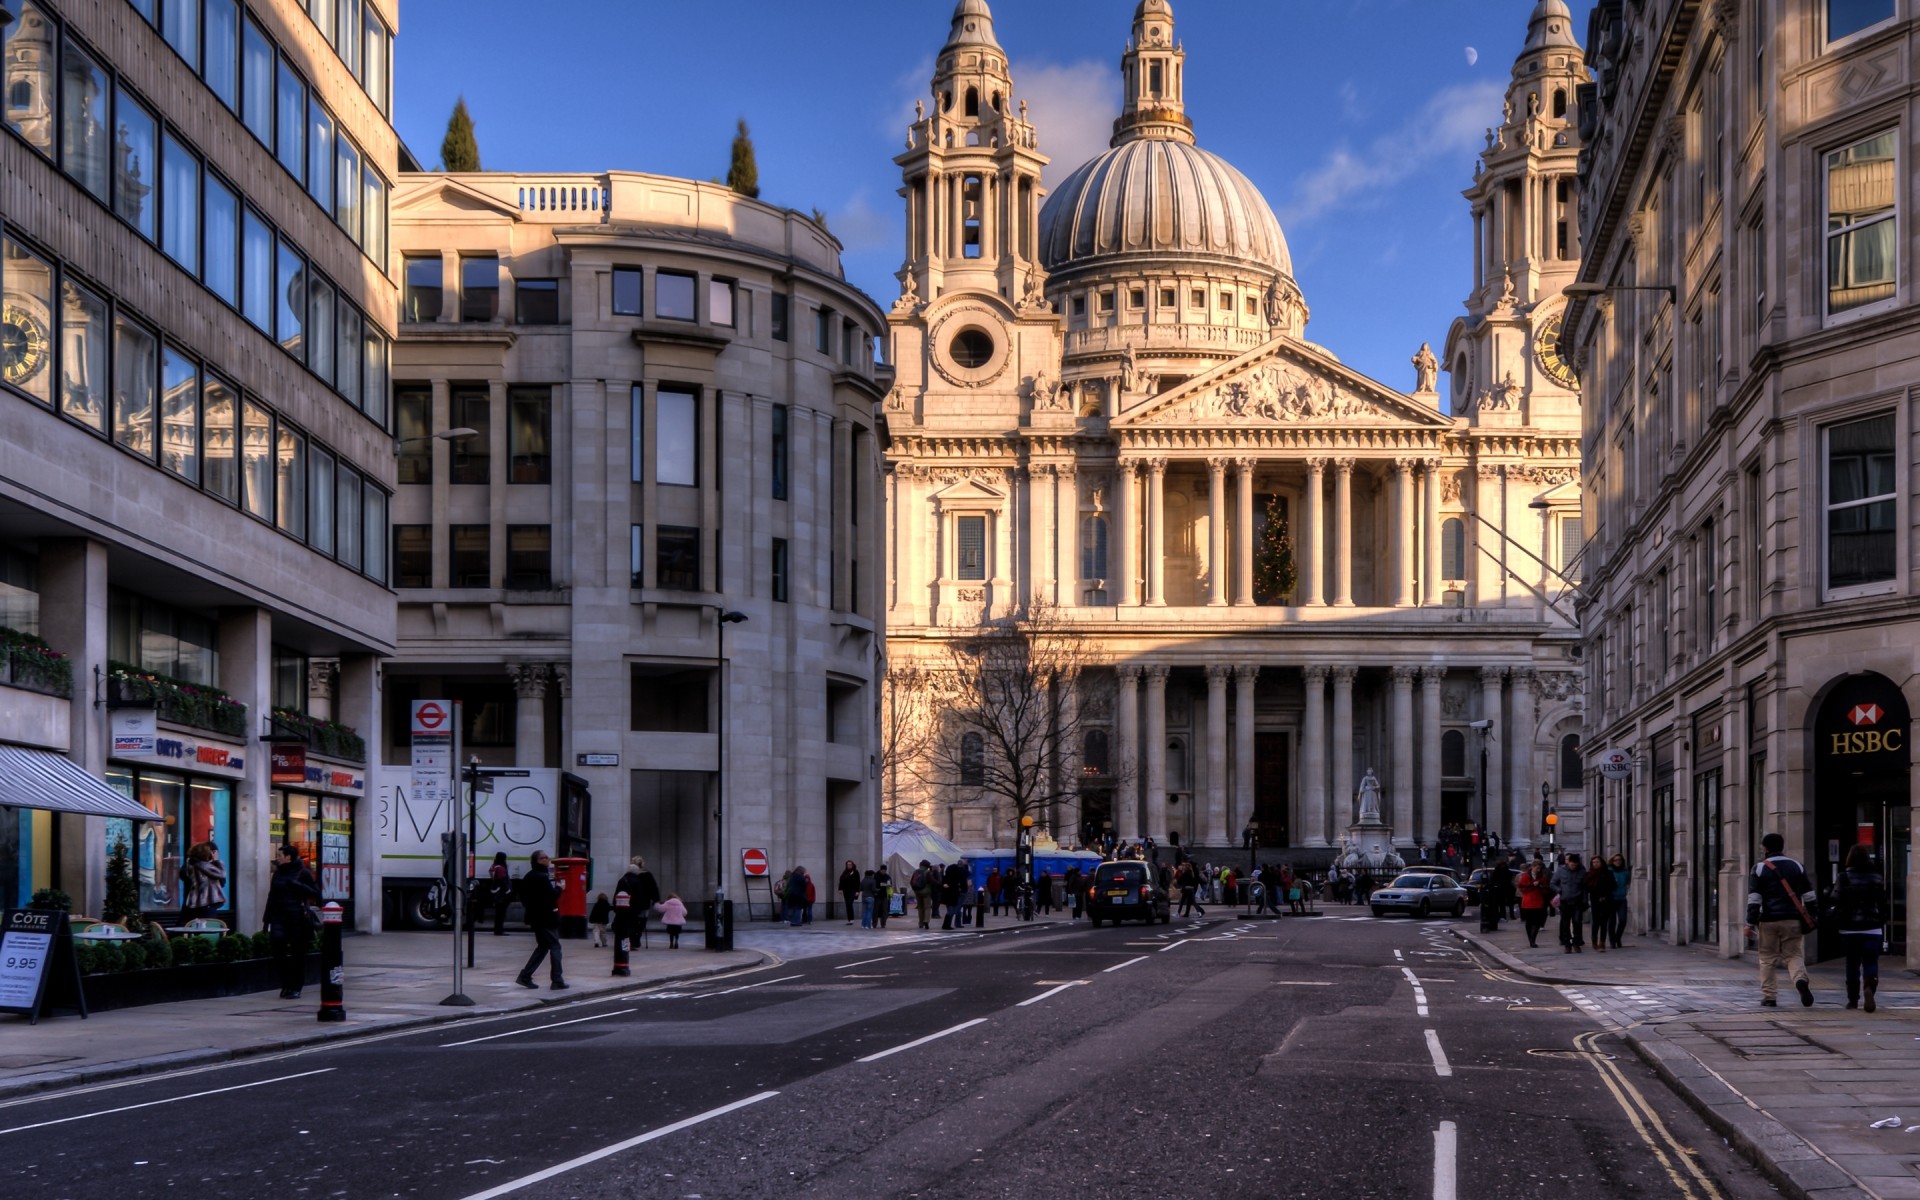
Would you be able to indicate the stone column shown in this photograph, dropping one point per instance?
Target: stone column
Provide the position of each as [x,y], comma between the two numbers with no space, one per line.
[73,619]
[1066,536]
[245,640]
[1403,532]
[1243,717]
[1494,739]
[1315,815]
[530,713]
[323,681]
[356,704]
[1067,760]
[1430,679]
[1243,532]
[1312,551]
[1525,687]
[1219,569]
[1126,752]
[1342,806]
[1156,533]
[1126,522]
[1343,532]
[563,680]
[1043,518]
[1213,831]
[1430,531]
[1403,740]
[1157,753]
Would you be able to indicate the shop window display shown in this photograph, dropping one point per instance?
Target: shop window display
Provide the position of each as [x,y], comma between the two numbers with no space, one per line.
[188,810]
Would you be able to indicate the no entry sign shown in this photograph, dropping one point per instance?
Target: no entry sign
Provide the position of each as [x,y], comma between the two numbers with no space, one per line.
[753,862]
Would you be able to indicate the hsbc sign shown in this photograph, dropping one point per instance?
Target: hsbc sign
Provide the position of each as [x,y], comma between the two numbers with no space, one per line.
[1862,725]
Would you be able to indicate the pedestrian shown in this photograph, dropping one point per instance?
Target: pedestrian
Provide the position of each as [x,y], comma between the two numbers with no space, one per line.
[1779,914]
[673,917]
[1570,890]
[288,919]
[205,882]
[866,900]
[882,896]
[795,894]
[808,894]
[921,881]
[1860,904]
[1536,894]
[953,882]
[967,899]
[599,917]
[1622,882]
[539,895]
[500,879]
[993,890]
[643,892]
[1495,893]
[1598,885]
[850,891]
[1074,889]
[1043,892]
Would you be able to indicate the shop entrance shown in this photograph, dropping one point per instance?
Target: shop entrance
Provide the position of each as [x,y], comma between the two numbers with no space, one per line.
[1861,790]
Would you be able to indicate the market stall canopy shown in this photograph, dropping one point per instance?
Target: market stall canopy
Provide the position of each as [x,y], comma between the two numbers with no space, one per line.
[43,779]
[904,843]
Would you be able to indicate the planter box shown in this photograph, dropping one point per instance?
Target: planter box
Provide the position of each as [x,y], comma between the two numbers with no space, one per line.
[199,981]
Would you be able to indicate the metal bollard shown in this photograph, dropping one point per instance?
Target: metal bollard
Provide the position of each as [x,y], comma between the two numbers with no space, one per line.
[980,909]
[333,976]
[622,905]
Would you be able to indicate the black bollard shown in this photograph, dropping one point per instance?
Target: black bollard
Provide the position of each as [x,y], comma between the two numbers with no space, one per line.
[622,905]
[333,976]
[980,909]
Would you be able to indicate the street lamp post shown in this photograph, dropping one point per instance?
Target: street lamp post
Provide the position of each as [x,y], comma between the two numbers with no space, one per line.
[719,925]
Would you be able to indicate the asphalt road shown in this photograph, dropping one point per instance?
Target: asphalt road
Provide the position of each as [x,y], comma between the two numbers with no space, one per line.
[1324,1057]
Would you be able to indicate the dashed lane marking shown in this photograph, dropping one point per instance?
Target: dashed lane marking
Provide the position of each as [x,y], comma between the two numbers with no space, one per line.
[932,1037]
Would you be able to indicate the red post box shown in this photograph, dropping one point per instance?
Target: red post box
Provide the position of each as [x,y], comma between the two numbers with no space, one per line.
[572,875]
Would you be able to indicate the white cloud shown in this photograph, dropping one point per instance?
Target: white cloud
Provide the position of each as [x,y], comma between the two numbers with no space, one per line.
[1072,105]
[1450,123]
[861,227]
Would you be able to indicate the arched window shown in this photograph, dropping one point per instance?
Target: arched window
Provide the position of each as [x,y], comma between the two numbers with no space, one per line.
[1459,384]
[1453,754]
[1176,765]
[1453,548]
[973,760]
[1559,102]
[1093,759]
[973,102]
[972,208]
[1093,547]
[1570,772]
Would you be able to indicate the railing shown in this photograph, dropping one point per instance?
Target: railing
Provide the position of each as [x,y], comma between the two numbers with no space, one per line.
[37,669]
[1185,337]
[183,703]
[564,197]
[323,737]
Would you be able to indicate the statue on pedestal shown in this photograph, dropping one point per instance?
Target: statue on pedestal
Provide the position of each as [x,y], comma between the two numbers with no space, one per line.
[1370,799]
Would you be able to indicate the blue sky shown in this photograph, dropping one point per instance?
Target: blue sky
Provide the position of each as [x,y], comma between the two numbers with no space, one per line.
[1358,119]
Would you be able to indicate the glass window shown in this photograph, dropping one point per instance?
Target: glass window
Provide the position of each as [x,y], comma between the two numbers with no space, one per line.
[677,558]
[325,14]
[1861,253]
[220,417]
[673,296]
[1453,548]
[676,438]
[412,556]
[292,123]
[472,408]
[347,520]
[84,134]
[83,353]
[30,58]
[320,511]
[291,298]
[536,301]
[222,69]
[1572,542]
[636,427]
[348,347]
[720,301]
[467,556]
[135,379]
[256,82]
[377,49]
[256,268]
[626,292]
[290,481]
[823,331]
[782,570]
[180,414]
[320,155]
[777,315]
[422,299]
[529,431]
[970,547]
[479,287]
[347,36]
[26,323]
[374,218]
[373,536]
[180,24]
[346,186]
[973,759]
[780,454]
[180,179]
[1848,17]
[320,332]
[135,161]
[1093,547]
[376,371]
[636,540]
[412,408]
[256,460]
[529,556]
[221,268]
[1861,502]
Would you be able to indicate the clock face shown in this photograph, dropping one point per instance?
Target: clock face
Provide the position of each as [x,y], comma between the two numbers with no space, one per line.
[1546,352]
[23,345]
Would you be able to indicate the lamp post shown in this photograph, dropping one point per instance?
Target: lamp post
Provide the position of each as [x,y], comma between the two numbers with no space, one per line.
[718,924]
[1485,728]
[1551,821]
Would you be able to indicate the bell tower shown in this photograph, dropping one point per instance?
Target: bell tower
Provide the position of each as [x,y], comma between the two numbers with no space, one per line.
[1153,72]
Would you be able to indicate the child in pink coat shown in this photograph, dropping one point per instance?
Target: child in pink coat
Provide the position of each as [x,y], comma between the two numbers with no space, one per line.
[673,915]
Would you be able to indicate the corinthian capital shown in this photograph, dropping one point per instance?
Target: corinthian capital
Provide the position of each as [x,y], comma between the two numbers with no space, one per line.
[529,679]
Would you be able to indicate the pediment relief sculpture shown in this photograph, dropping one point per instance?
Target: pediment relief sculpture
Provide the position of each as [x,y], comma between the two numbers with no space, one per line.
[1274,392]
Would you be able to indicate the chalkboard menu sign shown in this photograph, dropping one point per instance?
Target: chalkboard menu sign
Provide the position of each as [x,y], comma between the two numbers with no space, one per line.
[36,956]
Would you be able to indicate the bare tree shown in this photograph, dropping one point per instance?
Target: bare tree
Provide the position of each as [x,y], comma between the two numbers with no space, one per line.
[909,725]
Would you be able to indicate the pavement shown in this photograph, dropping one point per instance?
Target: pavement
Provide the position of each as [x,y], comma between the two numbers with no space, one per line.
[1824,1100]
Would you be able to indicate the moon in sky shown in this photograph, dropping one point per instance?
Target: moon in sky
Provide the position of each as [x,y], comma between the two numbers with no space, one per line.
[1473,56]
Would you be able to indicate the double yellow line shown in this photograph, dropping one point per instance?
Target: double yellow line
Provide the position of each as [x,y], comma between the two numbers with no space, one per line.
[1688,1178]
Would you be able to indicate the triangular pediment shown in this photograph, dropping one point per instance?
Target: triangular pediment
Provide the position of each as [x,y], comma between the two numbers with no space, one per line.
[1284,382]
[443,193]
[969,491]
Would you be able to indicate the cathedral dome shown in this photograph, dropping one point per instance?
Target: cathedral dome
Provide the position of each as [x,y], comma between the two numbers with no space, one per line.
[1164,198]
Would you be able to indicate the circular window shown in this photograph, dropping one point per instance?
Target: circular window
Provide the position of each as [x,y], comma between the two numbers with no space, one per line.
[971,349]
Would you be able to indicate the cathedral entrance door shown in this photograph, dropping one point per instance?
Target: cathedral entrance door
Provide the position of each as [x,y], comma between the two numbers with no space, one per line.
[1272,786]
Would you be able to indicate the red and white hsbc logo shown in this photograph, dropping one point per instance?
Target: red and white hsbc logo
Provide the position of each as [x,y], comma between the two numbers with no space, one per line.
[1866,714]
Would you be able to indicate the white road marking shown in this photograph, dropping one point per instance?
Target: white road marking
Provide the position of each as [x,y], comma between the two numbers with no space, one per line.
[107,1112]
[1398,957]
[1052,992]
[743,987]
[1303,983]
[920,1041]
[1171,946]
[1128,963]
[863,962]
[1445,1148]
[1440,1065]
[607,1151]
[534,1029]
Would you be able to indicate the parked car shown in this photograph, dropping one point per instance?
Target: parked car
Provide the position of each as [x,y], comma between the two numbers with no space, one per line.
[1127,891]
[1476,884]
[1421,895]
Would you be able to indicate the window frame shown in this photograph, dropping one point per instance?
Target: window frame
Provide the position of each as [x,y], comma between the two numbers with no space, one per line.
[1824,17]
[1828,315]
[1876,587]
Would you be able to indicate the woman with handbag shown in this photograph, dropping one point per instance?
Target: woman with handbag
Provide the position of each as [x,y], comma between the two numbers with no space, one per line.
[290,896]
[1598,884]
[1536,894]
[1860,905]
[1570,889]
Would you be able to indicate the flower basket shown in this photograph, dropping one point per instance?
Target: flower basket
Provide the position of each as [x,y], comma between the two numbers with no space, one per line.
[323,737]
[32,664]
[194,704]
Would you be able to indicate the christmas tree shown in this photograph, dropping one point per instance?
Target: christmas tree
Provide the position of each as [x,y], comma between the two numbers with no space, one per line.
[122,903]
[1273,568]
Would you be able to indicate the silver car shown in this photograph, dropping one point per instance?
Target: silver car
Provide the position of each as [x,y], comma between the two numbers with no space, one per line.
[1420,894]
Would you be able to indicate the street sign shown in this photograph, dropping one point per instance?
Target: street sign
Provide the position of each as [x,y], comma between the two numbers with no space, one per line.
[1616,764]
[753,862]
[36,955]
[598,760]
[430,716]
[432,727]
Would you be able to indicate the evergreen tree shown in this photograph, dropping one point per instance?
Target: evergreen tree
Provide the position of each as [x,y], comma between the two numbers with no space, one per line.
[743,173]
[1274,574]
[122,903]
[458,150]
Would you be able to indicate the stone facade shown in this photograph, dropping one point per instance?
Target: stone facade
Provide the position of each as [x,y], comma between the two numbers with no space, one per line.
[1097,399]
[1751,622]
[673,399]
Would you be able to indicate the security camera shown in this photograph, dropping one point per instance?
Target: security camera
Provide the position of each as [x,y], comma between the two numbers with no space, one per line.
[1486,724]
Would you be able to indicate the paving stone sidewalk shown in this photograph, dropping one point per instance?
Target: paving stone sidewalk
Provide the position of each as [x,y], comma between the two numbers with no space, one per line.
[1798,1090]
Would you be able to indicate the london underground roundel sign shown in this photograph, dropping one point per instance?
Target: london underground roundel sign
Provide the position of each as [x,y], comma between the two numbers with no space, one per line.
[1616,764]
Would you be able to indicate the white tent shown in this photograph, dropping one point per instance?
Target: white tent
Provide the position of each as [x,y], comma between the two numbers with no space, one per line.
[904,843]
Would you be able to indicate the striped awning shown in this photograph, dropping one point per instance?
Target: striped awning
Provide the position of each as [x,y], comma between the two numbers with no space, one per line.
[43,779]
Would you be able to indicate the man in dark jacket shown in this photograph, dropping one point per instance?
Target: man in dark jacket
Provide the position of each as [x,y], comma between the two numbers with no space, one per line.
[1780,902]
[539,899]
[643,892]
[289,894]
[952,885]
